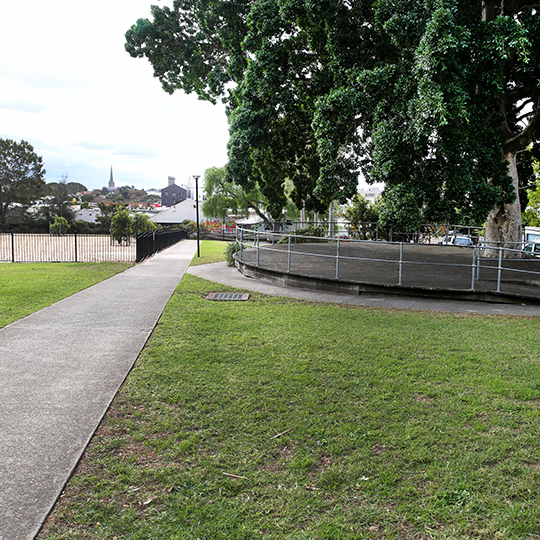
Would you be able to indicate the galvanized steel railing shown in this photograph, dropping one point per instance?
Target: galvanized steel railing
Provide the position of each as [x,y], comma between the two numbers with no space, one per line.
[246,238]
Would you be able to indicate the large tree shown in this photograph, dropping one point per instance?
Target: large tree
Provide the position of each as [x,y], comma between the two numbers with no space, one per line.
[435,98]
[21,176]
[443,103]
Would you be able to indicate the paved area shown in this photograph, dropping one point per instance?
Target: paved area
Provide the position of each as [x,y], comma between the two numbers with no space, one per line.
[221,273]
[60,368]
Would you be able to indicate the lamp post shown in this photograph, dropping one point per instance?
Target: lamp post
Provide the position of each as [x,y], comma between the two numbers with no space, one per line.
[197,207]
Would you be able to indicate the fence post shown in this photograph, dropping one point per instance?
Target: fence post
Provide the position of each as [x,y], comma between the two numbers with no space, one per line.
[499,271]
[337,260]
[75,239]
[289,254]
[400,261]
[12,247]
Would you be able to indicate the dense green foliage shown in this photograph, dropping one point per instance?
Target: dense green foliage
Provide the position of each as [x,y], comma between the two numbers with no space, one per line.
[360,210]
[21,176]
[279,419]
[224,194]
[60,225]
[531,215]
[432,97]
[125,224]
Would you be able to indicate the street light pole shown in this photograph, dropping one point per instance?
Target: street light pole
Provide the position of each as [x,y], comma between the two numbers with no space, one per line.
[197,207]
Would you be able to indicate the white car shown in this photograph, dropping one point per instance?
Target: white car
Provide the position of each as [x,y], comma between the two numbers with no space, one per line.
[532,249]
[457,240]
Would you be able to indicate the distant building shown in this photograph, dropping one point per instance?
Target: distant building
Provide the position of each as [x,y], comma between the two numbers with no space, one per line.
[173,194]
[370,193]
[112,188]
[89,215]
[176,214]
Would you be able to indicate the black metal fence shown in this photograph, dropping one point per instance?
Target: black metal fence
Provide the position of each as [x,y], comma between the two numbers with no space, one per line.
[64,248]
[149,243]
[84,247]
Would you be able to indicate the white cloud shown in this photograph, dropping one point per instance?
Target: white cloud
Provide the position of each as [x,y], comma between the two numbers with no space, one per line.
[69,88]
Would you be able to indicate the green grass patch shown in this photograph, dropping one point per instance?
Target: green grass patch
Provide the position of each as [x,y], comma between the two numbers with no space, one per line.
[29,287]
[211,251]
[276,418]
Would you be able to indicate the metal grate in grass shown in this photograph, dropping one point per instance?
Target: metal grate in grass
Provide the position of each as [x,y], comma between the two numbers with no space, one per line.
[228,296]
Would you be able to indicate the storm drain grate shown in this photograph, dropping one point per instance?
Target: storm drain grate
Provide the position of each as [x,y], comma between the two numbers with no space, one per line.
[228,296]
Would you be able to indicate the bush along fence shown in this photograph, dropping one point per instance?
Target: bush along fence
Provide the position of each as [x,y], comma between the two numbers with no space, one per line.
[149,243]
[84,248]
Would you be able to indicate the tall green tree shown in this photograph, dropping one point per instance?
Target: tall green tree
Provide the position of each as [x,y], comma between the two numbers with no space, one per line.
[435,98]
[121,225]
[21,176]
[445,100]
[62,194]
[222,194]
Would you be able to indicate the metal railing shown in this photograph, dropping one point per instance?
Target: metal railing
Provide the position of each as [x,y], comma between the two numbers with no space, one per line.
[64,248]
[149,243]
[84,247]
[509,266]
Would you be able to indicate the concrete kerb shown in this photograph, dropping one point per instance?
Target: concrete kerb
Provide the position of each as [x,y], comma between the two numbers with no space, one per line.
[57,384]
[222,274]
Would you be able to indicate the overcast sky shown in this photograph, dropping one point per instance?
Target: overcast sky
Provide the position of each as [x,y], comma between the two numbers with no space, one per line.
[68,87]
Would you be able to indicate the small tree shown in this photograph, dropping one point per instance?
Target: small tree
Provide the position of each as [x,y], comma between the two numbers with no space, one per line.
[141,223]
[106,213]
[59,226]
[122,225]
[360,210]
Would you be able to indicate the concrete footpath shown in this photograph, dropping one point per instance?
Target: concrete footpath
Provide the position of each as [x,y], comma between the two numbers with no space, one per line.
[60,368]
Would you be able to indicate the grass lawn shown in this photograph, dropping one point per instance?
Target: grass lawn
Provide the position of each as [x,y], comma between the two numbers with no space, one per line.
[29,287]
[211,251]
[277,418]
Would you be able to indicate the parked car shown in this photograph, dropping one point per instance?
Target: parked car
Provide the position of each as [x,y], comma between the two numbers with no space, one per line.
[532,250]
[457,240]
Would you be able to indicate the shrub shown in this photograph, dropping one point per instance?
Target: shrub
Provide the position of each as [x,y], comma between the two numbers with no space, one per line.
[230,250]
[59,226]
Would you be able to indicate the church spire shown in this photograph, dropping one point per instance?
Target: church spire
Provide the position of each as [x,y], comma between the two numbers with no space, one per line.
[111,181]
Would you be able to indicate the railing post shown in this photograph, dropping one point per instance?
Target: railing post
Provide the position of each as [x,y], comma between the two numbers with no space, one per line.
[241,243]
[258,246]
[337,260]
[499,271]
[289,254]
[473,267]
[400,261]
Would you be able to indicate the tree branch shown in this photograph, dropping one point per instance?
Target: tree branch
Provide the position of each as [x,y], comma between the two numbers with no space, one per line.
[523,138]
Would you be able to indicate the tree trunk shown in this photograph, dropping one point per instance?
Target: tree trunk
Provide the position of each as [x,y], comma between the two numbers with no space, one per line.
[503,225]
